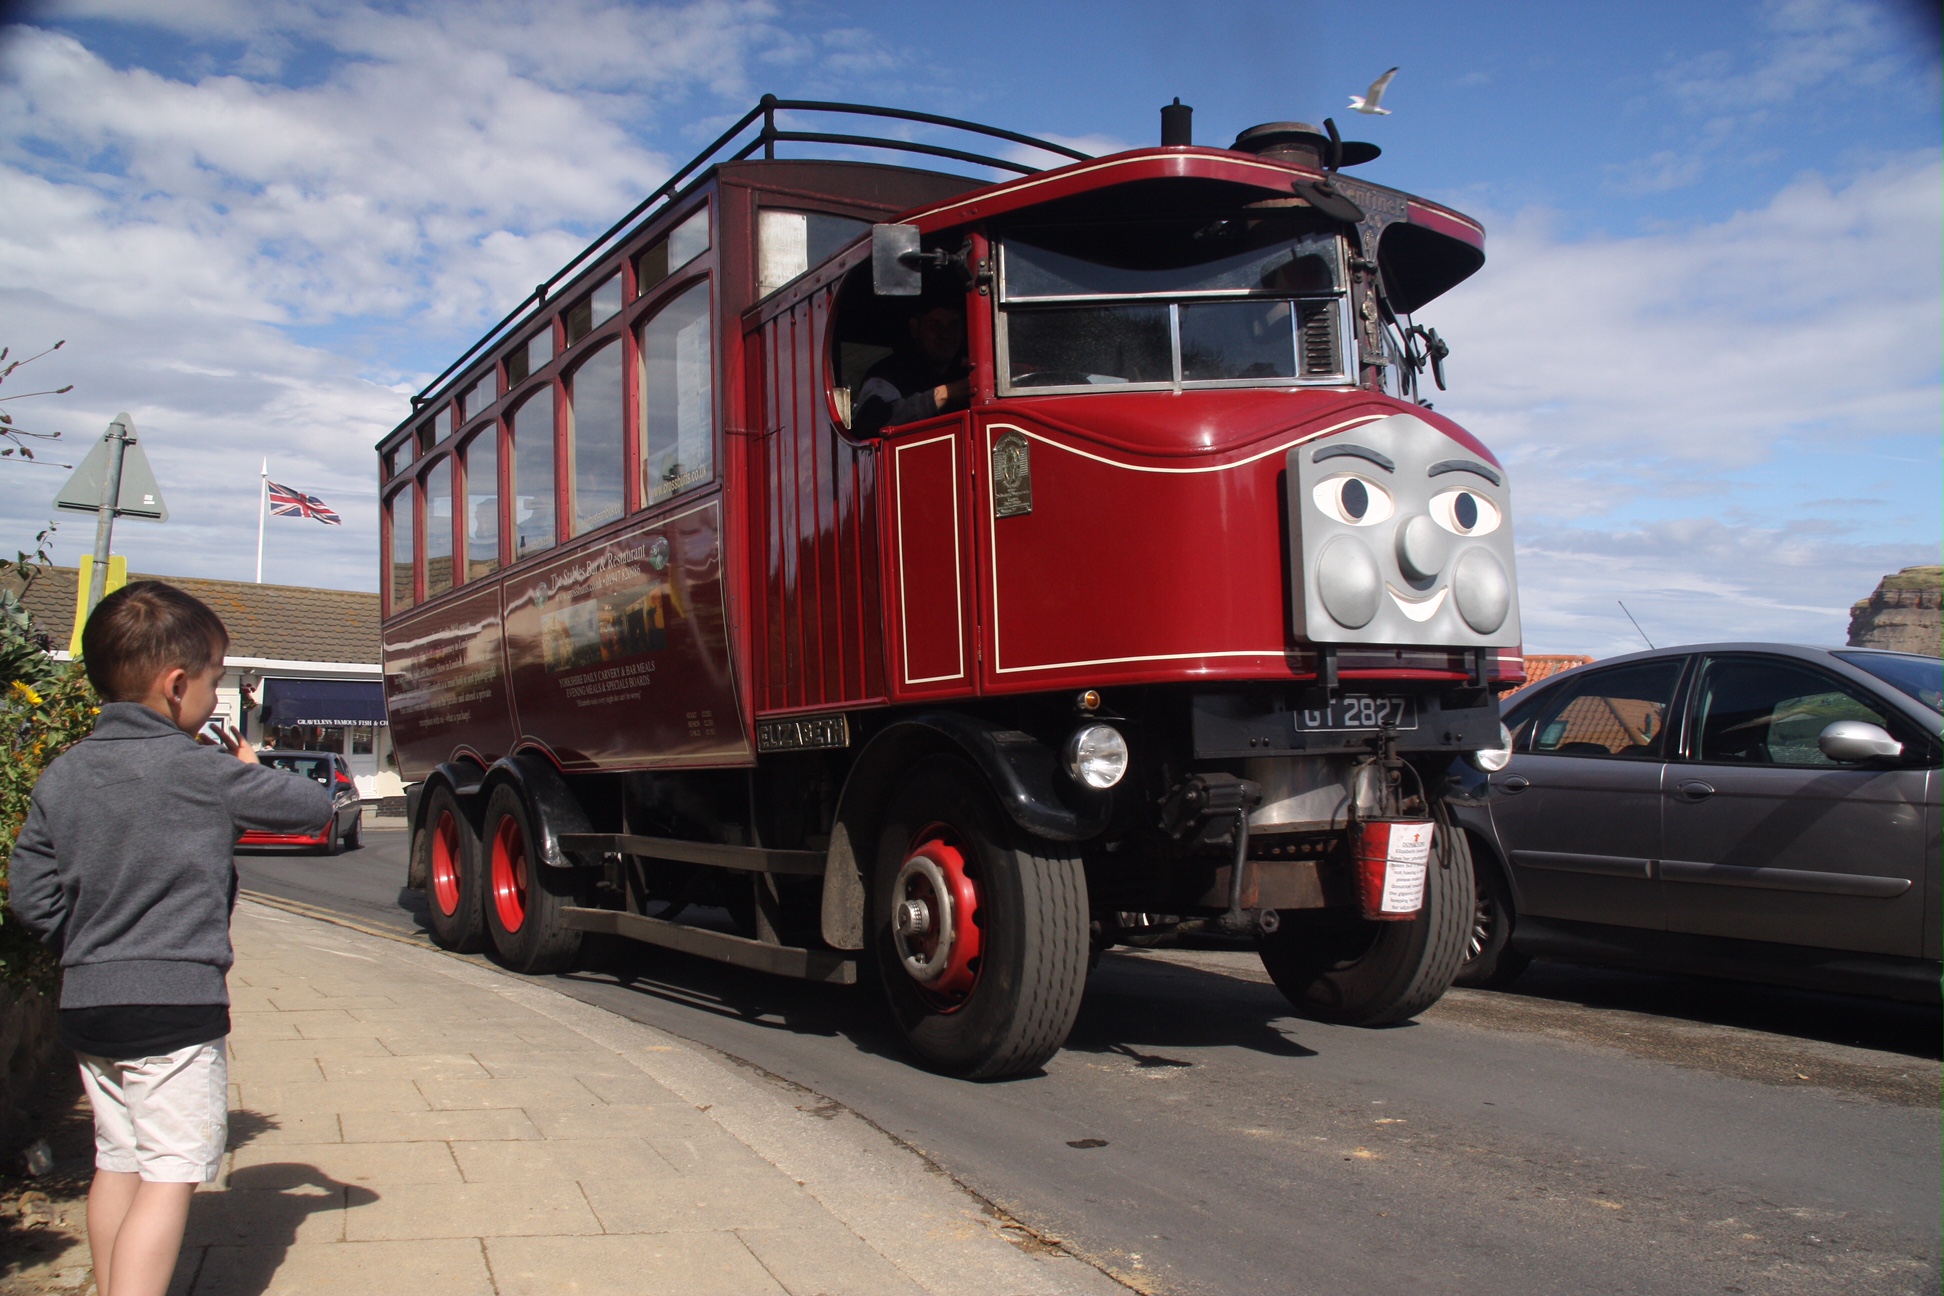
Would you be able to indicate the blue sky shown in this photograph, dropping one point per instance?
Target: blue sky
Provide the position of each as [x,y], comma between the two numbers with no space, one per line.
[1707,338]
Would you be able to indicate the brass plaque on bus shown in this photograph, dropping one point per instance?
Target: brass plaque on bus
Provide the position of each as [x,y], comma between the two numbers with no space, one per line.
[1012,476]
[808,734]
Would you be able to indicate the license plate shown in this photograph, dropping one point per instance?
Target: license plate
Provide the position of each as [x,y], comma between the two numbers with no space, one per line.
[1359,711]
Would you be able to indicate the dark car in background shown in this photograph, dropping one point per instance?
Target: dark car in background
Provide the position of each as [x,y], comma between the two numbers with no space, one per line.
[345,828]
[1758,811]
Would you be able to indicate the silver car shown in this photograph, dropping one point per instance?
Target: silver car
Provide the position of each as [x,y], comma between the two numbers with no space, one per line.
[1759,811]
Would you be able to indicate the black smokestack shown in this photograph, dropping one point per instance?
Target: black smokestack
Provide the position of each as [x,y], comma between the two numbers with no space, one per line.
[1177,124]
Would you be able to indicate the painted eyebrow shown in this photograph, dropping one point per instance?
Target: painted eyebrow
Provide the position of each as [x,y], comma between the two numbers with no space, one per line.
[1464,465]
[1355,452]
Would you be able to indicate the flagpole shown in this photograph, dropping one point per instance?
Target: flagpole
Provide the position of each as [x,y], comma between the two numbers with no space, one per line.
[263,509]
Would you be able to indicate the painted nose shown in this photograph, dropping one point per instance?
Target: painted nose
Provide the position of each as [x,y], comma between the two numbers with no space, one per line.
[1420,548]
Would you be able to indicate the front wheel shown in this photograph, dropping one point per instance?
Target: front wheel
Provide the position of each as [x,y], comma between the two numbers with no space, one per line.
[1337,967]
[446,852]
[1490,960]
[523,896]
[980,932]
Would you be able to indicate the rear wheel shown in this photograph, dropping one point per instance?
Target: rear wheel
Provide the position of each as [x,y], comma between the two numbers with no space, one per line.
[448,860]
[333,838]
[1337,967]
[524,897]
[980,932]
[1490,960]
[354,838]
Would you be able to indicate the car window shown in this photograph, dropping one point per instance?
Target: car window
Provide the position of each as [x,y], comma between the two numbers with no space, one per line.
[311,767]
[1617,712]
[1920,677]
[1765,711]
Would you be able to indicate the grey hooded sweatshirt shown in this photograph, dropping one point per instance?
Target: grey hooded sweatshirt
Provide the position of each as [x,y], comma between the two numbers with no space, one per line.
[124,863]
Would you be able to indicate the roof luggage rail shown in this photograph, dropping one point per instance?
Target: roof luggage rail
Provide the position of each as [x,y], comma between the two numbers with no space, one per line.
[727,149]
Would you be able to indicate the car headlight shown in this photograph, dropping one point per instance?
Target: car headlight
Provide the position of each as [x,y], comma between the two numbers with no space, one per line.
[1096,755]
[1494,759]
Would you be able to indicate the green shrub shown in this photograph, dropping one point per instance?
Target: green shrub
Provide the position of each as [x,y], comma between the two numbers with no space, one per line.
[38,724]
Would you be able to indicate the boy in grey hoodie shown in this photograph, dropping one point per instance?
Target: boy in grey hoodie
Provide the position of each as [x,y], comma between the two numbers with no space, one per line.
[124,867]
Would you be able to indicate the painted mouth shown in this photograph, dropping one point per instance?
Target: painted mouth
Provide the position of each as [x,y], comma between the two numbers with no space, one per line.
[1417,609]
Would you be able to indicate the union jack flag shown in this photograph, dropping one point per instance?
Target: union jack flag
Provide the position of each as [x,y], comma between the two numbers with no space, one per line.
[285,502]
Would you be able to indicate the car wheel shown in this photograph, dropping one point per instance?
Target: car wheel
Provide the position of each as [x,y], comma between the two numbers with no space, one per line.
[523,896]
[354,839]
[1335,966]
[980,933]
[333,839]
[445,852]
[1490,960]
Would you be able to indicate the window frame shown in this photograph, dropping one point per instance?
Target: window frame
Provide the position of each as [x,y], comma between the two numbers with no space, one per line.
[1673,730]
[641,314]
[389,516]
[462,447]
[509,447]
[585,351]
[421,558]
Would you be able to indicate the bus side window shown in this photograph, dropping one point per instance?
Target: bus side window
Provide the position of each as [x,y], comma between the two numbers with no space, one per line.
[400,505]
[438,527]
[595,428]
[533,475]
[677,397]
[482,502]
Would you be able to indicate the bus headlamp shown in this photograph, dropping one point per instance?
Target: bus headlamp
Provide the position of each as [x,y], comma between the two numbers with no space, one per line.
[1096,755]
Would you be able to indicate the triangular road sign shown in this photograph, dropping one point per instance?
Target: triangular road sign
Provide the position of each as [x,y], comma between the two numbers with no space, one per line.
[140,496]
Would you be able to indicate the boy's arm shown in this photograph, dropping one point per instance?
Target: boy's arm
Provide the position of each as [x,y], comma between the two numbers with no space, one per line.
[263,798]
[33,886]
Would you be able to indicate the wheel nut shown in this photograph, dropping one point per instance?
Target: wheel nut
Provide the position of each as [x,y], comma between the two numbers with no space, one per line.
[913,917]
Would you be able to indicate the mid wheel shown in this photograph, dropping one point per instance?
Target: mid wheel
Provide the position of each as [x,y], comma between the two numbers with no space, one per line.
[447,852]
[1337,967]
[980,932]
[524,897]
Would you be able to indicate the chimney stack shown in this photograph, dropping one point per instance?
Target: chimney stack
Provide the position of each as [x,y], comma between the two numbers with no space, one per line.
[1177,124]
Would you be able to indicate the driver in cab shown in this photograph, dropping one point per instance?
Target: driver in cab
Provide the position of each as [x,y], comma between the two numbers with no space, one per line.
[928,374]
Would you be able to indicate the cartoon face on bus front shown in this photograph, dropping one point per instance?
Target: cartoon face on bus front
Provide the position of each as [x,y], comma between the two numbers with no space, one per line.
[1400,535]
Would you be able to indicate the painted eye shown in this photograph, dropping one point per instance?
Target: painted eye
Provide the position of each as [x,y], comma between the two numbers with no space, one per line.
[1465,513]
[1353,501]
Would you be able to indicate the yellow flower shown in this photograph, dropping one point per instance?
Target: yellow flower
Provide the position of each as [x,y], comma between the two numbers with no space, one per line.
[28,693]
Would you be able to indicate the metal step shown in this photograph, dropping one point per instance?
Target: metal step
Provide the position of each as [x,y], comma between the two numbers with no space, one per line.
[746,859]
[781,960]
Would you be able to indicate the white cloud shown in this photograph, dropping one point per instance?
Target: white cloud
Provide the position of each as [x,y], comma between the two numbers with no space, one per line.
[1647,392]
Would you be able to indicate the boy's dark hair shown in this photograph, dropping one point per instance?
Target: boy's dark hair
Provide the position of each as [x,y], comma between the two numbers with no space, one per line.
[144,629]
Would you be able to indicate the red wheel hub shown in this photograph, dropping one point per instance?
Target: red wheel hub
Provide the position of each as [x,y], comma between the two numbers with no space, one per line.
[510,873]
[445,864]
[935,919]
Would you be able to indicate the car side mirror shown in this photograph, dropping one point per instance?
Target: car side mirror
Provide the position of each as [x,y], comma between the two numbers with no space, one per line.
[1851,741]
[895,268]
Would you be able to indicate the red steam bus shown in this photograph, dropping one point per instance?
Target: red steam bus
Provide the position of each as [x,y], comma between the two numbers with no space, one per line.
[843,569]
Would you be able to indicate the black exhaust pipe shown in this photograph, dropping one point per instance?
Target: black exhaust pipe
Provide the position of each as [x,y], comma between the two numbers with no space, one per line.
[1177,124]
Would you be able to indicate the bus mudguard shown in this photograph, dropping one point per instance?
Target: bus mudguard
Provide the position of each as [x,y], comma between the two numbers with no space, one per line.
[1022,772]
[551,805]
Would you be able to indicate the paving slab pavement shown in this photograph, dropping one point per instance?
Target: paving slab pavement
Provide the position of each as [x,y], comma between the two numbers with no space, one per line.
[408,1122]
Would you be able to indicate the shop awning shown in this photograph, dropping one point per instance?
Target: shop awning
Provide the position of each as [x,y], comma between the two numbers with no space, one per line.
[323,702]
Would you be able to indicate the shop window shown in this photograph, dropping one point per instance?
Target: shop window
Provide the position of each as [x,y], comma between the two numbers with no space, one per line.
[593,310]
[790,242]
[678,406]
[401,550]
[479,397]
[529,358]
[533,475]
[666,255]
[363,739]
[438,527]
[595,430]
[482,503]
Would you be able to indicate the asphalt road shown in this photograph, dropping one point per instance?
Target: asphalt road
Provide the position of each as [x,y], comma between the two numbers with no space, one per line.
[1588,1132]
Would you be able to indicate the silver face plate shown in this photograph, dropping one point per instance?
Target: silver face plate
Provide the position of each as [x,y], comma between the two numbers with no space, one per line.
[1400,535]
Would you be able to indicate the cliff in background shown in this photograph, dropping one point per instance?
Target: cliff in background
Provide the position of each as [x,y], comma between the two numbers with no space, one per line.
[1903,614]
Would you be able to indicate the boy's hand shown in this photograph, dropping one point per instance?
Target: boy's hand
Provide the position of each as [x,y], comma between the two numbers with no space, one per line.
[233,744]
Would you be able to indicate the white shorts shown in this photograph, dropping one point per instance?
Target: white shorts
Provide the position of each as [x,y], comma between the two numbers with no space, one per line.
[165,1118]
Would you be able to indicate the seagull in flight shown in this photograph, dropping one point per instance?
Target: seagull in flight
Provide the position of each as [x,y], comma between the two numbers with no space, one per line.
[1367,101]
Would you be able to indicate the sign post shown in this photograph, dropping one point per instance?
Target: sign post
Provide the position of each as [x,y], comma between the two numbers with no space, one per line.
[115,480]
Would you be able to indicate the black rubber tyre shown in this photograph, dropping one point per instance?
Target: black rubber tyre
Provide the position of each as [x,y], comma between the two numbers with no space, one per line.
[333,838]
[1336,967]
[524,898]
[454,888]
[354,838]
[1490,960]
[1032,922]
